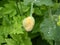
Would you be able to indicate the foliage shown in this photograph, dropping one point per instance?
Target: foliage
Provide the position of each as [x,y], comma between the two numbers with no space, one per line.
[47,21]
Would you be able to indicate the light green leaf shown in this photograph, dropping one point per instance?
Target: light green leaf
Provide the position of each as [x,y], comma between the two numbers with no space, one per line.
[17,26]
[10,42]
[8,8]
[26,2]
[39,2]
[13,13]
[2,39]
[44,2]
[22,39]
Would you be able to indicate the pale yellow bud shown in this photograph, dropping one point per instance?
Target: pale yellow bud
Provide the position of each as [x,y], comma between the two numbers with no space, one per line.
[28,23]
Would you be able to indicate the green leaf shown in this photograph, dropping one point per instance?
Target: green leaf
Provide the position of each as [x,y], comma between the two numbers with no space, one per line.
[39,2]
[1,8]
[22,39]
[37,24]
[57,34]
[13,13]
[37,11]
[57,31]
[10,42]
[26,2]
[8,8]
[57,42]
[26,39]
[57,11]
[48,28]
[1,39]
[44,2]
[24,7]
[17,26]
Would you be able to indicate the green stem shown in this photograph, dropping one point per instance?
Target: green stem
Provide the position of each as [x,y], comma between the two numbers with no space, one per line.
[32,3]
[31,9]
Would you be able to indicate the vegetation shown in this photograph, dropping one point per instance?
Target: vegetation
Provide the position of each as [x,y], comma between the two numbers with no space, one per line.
[46,30]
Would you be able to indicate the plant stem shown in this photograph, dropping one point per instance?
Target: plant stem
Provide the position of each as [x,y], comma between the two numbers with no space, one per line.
[31,9]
